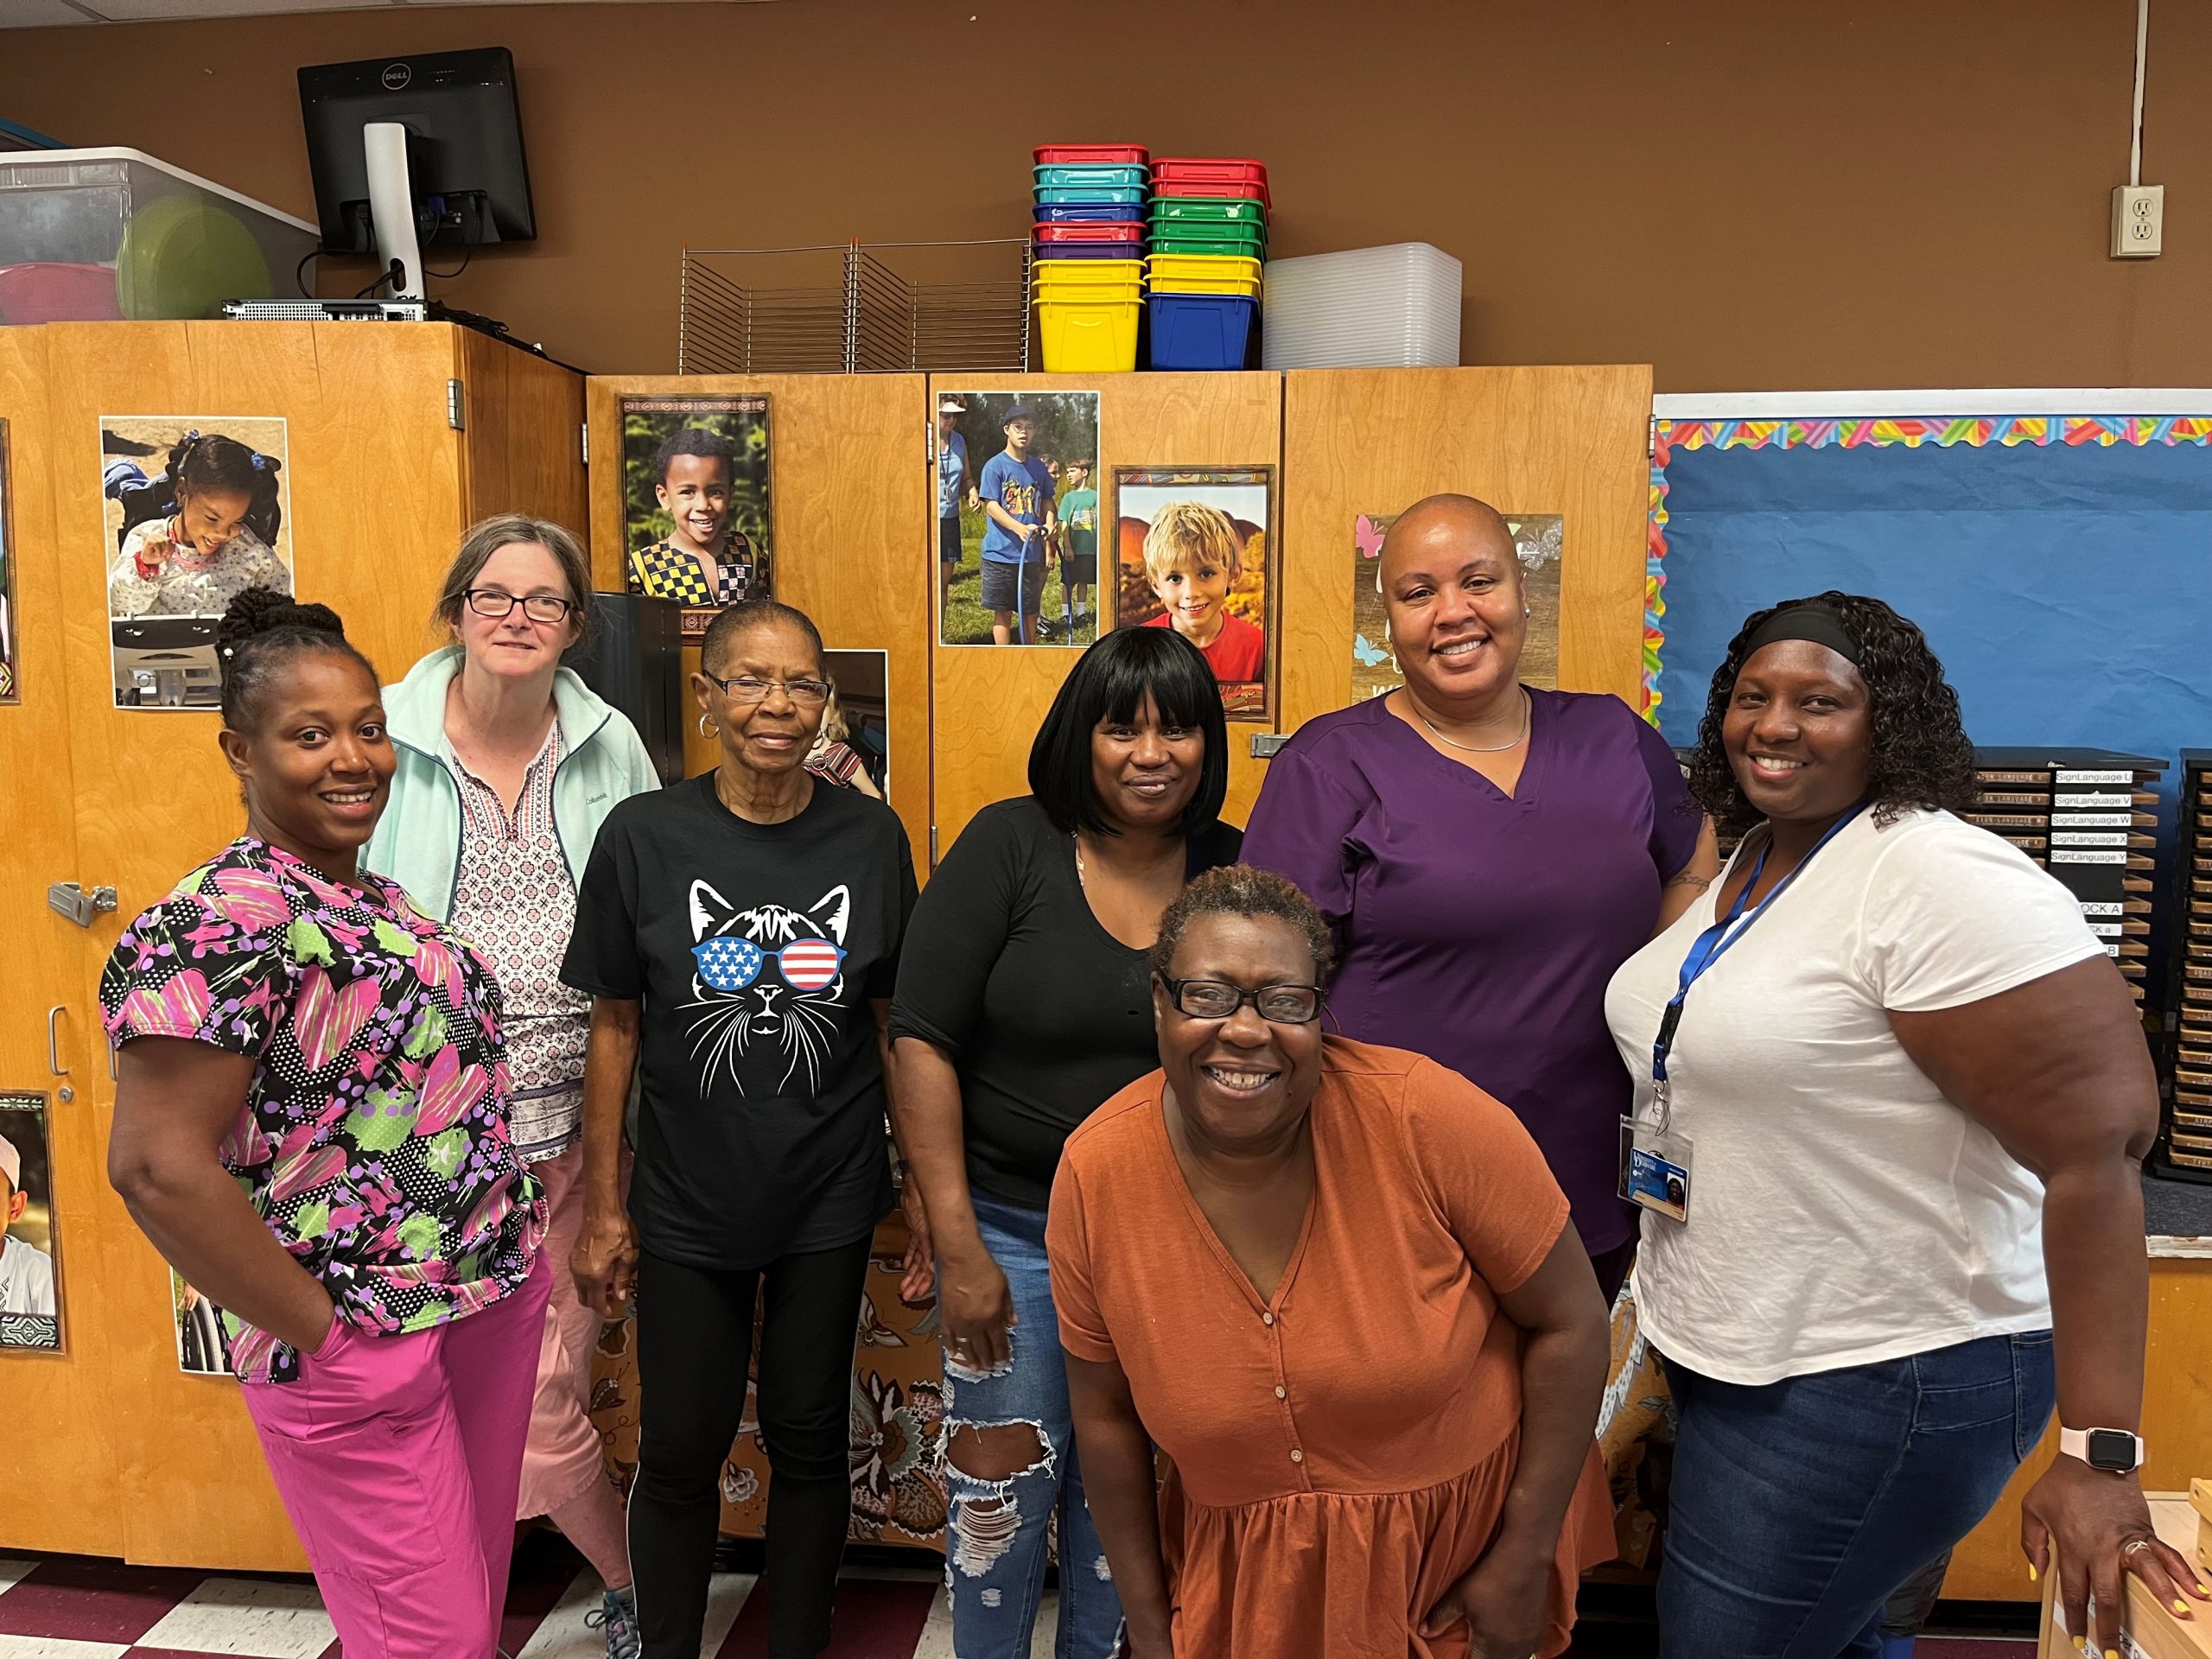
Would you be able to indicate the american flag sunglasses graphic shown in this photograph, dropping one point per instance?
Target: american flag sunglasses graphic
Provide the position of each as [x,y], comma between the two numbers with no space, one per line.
[727,964]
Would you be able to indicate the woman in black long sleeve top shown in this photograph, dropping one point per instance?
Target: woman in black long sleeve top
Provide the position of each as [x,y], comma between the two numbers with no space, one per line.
[1023,1004]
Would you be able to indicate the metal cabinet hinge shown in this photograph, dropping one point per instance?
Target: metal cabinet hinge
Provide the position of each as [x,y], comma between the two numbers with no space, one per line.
[454,418]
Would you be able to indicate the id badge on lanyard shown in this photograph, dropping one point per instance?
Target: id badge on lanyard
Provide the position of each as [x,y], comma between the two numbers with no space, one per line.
[1656,1156]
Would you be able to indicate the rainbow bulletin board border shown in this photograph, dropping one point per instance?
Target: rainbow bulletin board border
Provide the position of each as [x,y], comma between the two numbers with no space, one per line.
[1852,432]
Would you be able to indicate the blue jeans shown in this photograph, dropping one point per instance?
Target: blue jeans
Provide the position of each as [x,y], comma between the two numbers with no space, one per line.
[996,1540]
[1797,1507]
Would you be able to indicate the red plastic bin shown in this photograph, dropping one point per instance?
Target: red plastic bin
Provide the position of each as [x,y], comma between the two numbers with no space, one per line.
[1091,155]
[1046,233]
[1218,192]
[1210,170]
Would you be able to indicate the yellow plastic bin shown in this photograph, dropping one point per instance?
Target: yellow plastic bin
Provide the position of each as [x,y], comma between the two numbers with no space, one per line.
[1203,273]
[1220,287]
[1088,336]
[1110,272]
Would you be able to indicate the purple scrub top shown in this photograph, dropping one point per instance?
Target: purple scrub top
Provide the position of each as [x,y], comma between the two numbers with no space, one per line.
[1480,929]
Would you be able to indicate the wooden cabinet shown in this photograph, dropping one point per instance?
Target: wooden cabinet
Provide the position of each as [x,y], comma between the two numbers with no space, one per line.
[130,1456]
[850,502]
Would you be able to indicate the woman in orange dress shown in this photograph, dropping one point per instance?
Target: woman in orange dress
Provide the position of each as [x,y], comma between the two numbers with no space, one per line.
[1336,1285]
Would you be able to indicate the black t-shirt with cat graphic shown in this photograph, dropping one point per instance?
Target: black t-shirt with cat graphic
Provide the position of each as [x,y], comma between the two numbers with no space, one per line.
[756,949]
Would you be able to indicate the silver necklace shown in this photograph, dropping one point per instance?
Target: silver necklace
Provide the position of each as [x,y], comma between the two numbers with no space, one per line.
[1527,707]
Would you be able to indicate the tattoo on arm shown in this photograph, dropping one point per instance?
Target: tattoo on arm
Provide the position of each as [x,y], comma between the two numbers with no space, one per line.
[1692,881]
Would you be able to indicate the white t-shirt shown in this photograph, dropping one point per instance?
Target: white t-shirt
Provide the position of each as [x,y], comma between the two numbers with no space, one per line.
[26,1279]
[1842,1209]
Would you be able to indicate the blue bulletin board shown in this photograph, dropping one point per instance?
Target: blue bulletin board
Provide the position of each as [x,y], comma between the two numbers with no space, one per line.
[2059,561]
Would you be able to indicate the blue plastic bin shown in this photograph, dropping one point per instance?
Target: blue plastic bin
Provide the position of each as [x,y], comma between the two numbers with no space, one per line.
[1092,178]
[1200,331]
[1090,212]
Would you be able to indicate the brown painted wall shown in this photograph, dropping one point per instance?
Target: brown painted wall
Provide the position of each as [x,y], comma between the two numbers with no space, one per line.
[1747,194]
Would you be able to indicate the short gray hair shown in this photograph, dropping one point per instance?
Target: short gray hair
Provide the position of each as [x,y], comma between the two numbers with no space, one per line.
[487,536]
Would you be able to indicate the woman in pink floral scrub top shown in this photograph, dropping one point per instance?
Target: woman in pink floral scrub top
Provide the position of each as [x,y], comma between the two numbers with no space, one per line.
[311,1125]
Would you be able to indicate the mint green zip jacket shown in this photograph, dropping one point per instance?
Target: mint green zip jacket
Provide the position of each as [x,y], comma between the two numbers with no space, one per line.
[417,841]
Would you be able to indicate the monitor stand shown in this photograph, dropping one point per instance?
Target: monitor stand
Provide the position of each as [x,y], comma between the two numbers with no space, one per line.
[391,208]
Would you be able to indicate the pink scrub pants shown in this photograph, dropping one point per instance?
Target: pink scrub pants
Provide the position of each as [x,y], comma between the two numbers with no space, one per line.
[398,1459]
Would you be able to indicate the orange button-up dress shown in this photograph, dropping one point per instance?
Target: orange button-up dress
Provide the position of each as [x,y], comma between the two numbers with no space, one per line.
[1342,1452]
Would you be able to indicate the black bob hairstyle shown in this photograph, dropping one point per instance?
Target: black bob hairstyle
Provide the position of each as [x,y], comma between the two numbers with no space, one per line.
[1111,682]
[1921,758]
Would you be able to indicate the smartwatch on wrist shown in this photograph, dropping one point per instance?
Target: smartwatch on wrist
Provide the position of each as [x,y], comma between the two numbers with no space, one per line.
[2114,1451]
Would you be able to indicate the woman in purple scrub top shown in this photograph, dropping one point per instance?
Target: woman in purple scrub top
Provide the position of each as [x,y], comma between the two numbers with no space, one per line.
[1489,854]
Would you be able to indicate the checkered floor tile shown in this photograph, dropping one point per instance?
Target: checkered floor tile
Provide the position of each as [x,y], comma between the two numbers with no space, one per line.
[71,1608]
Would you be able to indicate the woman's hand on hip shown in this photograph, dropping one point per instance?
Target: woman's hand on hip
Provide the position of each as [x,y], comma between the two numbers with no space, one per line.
[2102,1528]
[1503,1599]
[977,1305]
[605,1261]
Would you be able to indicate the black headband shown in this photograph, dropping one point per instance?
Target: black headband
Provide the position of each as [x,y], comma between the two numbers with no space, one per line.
[1812,621]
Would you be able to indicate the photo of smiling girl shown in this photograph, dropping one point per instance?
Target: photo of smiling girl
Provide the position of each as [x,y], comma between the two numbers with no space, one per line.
[694,478]
[1193,555]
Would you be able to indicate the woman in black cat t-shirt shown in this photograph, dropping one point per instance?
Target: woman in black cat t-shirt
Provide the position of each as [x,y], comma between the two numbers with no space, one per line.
[740,932]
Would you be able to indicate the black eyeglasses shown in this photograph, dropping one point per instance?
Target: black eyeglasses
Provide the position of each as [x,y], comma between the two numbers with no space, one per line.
[806,694]
[498,603]
[1214,999]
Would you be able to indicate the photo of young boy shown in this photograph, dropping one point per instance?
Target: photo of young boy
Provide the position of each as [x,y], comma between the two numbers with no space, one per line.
[1193,555]
[1011,522]
[30,1304]
[695,482]
[1078,506]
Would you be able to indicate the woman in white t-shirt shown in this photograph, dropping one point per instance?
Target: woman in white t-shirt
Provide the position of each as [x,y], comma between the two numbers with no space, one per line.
[1904,1085]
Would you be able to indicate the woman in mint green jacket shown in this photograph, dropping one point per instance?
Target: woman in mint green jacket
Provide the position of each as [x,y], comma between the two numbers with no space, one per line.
[508,765]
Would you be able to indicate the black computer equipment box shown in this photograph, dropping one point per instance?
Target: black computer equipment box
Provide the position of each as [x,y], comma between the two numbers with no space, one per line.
[465,163]
[634,659]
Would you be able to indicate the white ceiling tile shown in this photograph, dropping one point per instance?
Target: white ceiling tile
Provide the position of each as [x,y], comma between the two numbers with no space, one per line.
[43,14]
[135,12]
[39,14]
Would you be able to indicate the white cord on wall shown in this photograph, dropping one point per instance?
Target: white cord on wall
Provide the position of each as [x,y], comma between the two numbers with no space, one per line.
[2135,131]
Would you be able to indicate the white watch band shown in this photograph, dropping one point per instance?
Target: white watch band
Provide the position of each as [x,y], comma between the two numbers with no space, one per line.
[2074,1443]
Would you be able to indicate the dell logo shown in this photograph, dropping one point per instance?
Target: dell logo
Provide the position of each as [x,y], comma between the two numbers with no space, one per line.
[396,76]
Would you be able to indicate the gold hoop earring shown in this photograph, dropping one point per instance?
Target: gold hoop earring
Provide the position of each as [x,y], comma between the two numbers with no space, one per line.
[709,728]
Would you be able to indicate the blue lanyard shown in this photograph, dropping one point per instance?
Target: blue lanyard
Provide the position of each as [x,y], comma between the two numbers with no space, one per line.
[1714,942]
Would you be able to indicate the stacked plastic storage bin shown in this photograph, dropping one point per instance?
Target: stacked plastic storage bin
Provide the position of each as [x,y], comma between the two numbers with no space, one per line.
[1208,239]
[1090,246]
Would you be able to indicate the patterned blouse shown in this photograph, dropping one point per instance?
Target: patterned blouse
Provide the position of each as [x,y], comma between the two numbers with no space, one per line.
[666,571]
[373,1140]
[190,584]
[515,899]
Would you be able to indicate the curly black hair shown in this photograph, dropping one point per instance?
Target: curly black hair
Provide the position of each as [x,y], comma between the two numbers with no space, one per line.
[262,629]
[1241,890]
[1921,754]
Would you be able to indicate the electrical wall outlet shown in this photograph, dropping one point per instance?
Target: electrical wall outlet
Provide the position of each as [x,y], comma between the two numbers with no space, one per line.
[2138,221]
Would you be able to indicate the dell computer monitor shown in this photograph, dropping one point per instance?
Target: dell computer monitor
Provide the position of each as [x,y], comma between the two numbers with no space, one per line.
[463,147]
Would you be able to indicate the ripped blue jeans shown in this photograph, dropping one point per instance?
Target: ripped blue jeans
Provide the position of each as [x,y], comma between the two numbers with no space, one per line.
[996,1542]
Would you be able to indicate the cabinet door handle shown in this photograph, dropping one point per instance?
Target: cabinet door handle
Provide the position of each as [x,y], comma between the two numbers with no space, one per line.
[53,1049]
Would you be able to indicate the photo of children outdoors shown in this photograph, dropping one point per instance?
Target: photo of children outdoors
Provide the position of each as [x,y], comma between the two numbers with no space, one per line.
[1538,537]
[30,1301]
[1017,504]
[1192,553]
[695,520]
[197,510]
[7,692]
